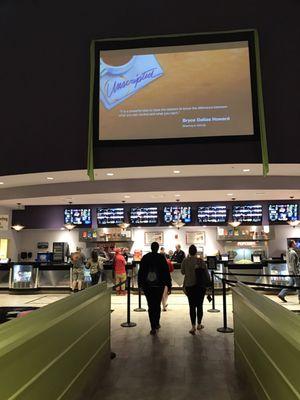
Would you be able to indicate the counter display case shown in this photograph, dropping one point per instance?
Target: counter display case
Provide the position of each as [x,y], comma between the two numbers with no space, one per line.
[54,276]
[276,268]
[24,277]
[5,274]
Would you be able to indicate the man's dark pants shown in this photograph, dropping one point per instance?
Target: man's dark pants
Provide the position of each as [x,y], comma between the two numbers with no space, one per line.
[154,296]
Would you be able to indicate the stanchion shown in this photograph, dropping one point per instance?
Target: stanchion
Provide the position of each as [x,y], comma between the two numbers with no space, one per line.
[128,323]
[140,308]
[224,328]
[213,309]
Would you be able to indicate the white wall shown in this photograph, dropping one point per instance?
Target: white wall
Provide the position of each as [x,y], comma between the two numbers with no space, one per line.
[173,236]
[279,244]
[27,239]
[11,235]
[30,237]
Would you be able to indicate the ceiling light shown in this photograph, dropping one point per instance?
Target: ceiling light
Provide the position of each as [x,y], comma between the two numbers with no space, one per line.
[124,225]
[126,196]
[1,183]
[49,178]
[110,174]
[178,224]
[235,224]
[177,195]
[246,170]
[176,171]
[229,194]
[294,223]
[18,227]
[70,227]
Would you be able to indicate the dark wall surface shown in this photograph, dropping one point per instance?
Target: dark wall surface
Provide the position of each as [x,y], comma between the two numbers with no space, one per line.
[44,74]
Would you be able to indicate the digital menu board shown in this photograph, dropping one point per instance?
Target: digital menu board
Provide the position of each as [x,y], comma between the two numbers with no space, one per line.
[78,216]
[212,214]
[143,215]
[177,213]
[283,212]
[248,213]
[110,216]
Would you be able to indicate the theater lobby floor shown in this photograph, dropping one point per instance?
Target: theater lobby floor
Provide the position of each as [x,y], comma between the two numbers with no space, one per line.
[174,364]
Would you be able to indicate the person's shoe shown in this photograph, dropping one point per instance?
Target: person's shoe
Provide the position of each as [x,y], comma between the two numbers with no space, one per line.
[153,332]
[193,331]
[165,307]
[158,326]
[282,299]
[199,327]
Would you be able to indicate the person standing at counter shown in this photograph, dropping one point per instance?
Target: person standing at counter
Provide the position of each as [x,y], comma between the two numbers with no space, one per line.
[95,265]
[194,289]
[179,255]
[77,260]
[293,267]
[120,272]
[153,276]
[163,252]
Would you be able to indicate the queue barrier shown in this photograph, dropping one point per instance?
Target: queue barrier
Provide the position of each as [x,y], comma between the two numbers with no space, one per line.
[56,351]
[232,282]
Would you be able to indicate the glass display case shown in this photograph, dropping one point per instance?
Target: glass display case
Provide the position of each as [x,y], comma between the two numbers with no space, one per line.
[24,277]
[54,276]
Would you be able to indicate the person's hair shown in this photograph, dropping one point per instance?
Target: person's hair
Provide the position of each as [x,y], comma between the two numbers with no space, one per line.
[162,249]
[291,243]
[178,245]
[154,247]
[192,250]
[94,256]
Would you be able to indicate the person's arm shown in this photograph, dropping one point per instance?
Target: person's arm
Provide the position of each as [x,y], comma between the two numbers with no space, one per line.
[166,273]
[141,273]
[183,267]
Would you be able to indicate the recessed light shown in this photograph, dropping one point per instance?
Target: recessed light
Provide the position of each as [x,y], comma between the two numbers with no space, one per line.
[229,194]
[246,170]
[176,171]
[49,178]
[139,227]
[177,195]
[126,196]
[1,183]
[110,174]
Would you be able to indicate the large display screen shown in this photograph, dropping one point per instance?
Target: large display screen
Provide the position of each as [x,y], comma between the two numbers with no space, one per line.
[177,213]
[212,214]
[110,216]
[249,213]
[143,215]
[178,91]
[283,212]
[78,216]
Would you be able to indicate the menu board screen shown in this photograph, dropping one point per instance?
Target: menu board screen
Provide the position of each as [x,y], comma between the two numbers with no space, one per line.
[283,212]
[212,214]
[248,213]
[78,216]
[177,213]
[144,215]
[110,216]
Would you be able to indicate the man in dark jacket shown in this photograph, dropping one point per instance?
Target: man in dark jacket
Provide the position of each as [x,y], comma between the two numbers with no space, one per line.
[179,255]
[153,276]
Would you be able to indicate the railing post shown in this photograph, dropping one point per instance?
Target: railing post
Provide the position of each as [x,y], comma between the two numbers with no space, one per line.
[213,309]
[224,328]
[128,323]
[140,308]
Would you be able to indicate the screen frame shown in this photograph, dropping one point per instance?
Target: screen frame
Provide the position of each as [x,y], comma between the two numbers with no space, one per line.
[143,224]
[163,221]
[177,40]
[109,225]
[282,204]
[80,225]
[248,205]
[213,223]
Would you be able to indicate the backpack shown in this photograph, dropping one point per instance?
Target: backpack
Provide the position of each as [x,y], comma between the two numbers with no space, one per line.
[203,278]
